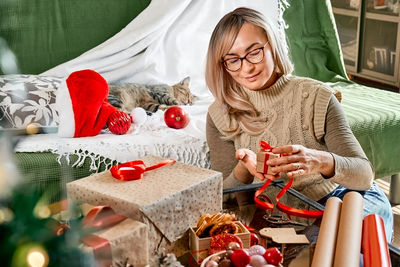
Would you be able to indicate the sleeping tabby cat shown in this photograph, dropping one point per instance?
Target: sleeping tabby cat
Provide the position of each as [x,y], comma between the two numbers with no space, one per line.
[150,97]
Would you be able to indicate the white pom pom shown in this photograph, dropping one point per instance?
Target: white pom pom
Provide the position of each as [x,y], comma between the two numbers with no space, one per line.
[139,116]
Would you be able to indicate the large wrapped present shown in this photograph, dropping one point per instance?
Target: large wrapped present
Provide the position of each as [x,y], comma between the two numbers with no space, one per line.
[118,240]
[168,200]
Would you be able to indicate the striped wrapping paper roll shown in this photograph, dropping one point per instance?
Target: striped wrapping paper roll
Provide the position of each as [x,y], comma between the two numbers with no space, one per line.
[374,245]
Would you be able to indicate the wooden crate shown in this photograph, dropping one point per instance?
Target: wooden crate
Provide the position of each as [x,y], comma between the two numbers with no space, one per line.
[199,246]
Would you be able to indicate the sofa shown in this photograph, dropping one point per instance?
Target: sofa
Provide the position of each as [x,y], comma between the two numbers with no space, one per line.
[40,36]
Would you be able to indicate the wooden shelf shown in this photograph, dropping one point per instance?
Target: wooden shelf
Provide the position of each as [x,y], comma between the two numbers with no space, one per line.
[365,80]
[370,39]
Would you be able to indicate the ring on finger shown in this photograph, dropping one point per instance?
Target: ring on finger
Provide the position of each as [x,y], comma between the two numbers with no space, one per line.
[297,166]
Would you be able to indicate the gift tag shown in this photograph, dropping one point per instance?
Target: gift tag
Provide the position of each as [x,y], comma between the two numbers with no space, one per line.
[284,236]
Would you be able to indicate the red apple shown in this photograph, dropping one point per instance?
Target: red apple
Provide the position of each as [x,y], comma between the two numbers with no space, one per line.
[240,258]
[273,256]
[176,117]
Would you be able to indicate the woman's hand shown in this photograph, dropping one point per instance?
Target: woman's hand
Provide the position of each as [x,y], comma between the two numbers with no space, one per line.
[300,160]
[245,171]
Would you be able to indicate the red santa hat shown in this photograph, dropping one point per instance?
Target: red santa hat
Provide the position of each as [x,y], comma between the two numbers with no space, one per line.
[82,104]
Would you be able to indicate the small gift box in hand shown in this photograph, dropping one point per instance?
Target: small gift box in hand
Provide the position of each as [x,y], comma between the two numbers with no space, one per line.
[262,156]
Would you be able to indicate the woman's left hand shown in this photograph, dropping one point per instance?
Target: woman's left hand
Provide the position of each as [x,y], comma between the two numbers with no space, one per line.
[299,160]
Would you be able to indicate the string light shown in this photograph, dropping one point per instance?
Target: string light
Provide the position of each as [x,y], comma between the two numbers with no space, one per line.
[6,215]
[37,257]
[32,129]
[42,212]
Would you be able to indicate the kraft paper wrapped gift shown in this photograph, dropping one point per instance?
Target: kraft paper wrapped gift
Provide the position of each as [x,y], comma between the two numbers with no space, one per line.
[127,244]
[262,157]
[168,200]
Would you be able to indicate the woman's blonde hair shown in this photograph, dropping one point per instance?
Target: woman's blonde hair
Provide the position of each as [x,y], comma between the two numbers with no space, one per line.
[225,89]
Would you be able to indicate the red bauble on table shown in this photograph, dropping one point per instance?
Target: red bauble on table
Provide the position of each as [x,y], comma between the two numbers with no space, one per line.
[254,240]
[176,117]
[240,258]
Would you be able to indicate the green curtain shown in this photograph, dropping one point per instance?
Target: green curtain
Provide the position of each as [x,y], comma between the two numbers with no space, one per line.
[313,40]
[45,33]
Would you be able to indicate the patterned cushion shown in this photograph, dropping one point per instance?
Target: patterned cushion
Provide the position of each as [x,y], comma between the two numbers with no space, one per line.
[26,99]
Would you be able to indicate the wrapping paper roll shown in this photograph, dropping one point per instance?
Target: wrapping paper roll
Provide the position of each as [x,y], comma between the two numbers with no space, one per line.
[325,249]
[348,244]
[374,245]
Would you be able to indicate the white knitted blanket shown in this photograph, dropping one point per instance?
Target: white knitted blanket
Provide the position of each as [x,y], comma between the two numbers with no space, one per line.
[186,145]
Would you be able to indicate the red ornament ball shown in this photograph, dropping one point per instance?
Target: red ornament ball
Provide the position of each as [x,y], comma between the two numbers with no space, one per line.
[176,117]
[119,122]
[273,256]
[254,239]
[240,258]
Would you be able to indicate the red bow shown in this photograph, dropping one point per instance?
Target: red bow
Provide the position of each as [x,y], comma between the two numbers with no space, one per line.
[265,146]
[134,170]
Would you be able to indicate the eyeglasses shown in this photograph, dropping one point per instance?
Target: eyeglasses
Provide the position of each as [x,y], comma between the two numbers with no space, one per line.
[255,56]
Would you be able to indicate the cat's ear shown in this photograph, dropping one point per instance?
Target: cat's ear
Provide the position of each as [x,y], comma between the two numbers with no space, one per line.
[185,81]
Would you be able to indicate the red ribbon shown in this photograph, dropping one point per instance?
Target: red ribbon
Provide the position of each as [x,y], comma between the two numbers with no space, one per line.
[262,204]
[265,203]
[293,211]
[265,168]
[266,148]
[134,170]
[100,217]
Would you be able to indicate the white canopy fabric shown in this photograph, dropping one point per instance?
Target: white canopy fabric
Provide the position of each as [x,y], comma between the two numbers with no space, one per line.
[165,43]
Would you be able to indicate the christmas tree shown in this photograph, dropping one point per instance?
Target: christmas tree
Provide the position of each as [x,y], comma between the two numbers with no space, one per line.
[29,236]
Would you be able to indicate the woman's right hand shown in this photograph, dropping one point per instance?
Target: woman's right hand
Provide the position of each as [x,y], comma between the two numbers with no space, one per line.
[245,170]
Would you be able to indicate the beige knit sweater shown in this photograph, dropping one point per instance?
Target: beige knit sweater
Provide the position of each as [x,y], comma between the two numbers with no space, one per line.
[296,111]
